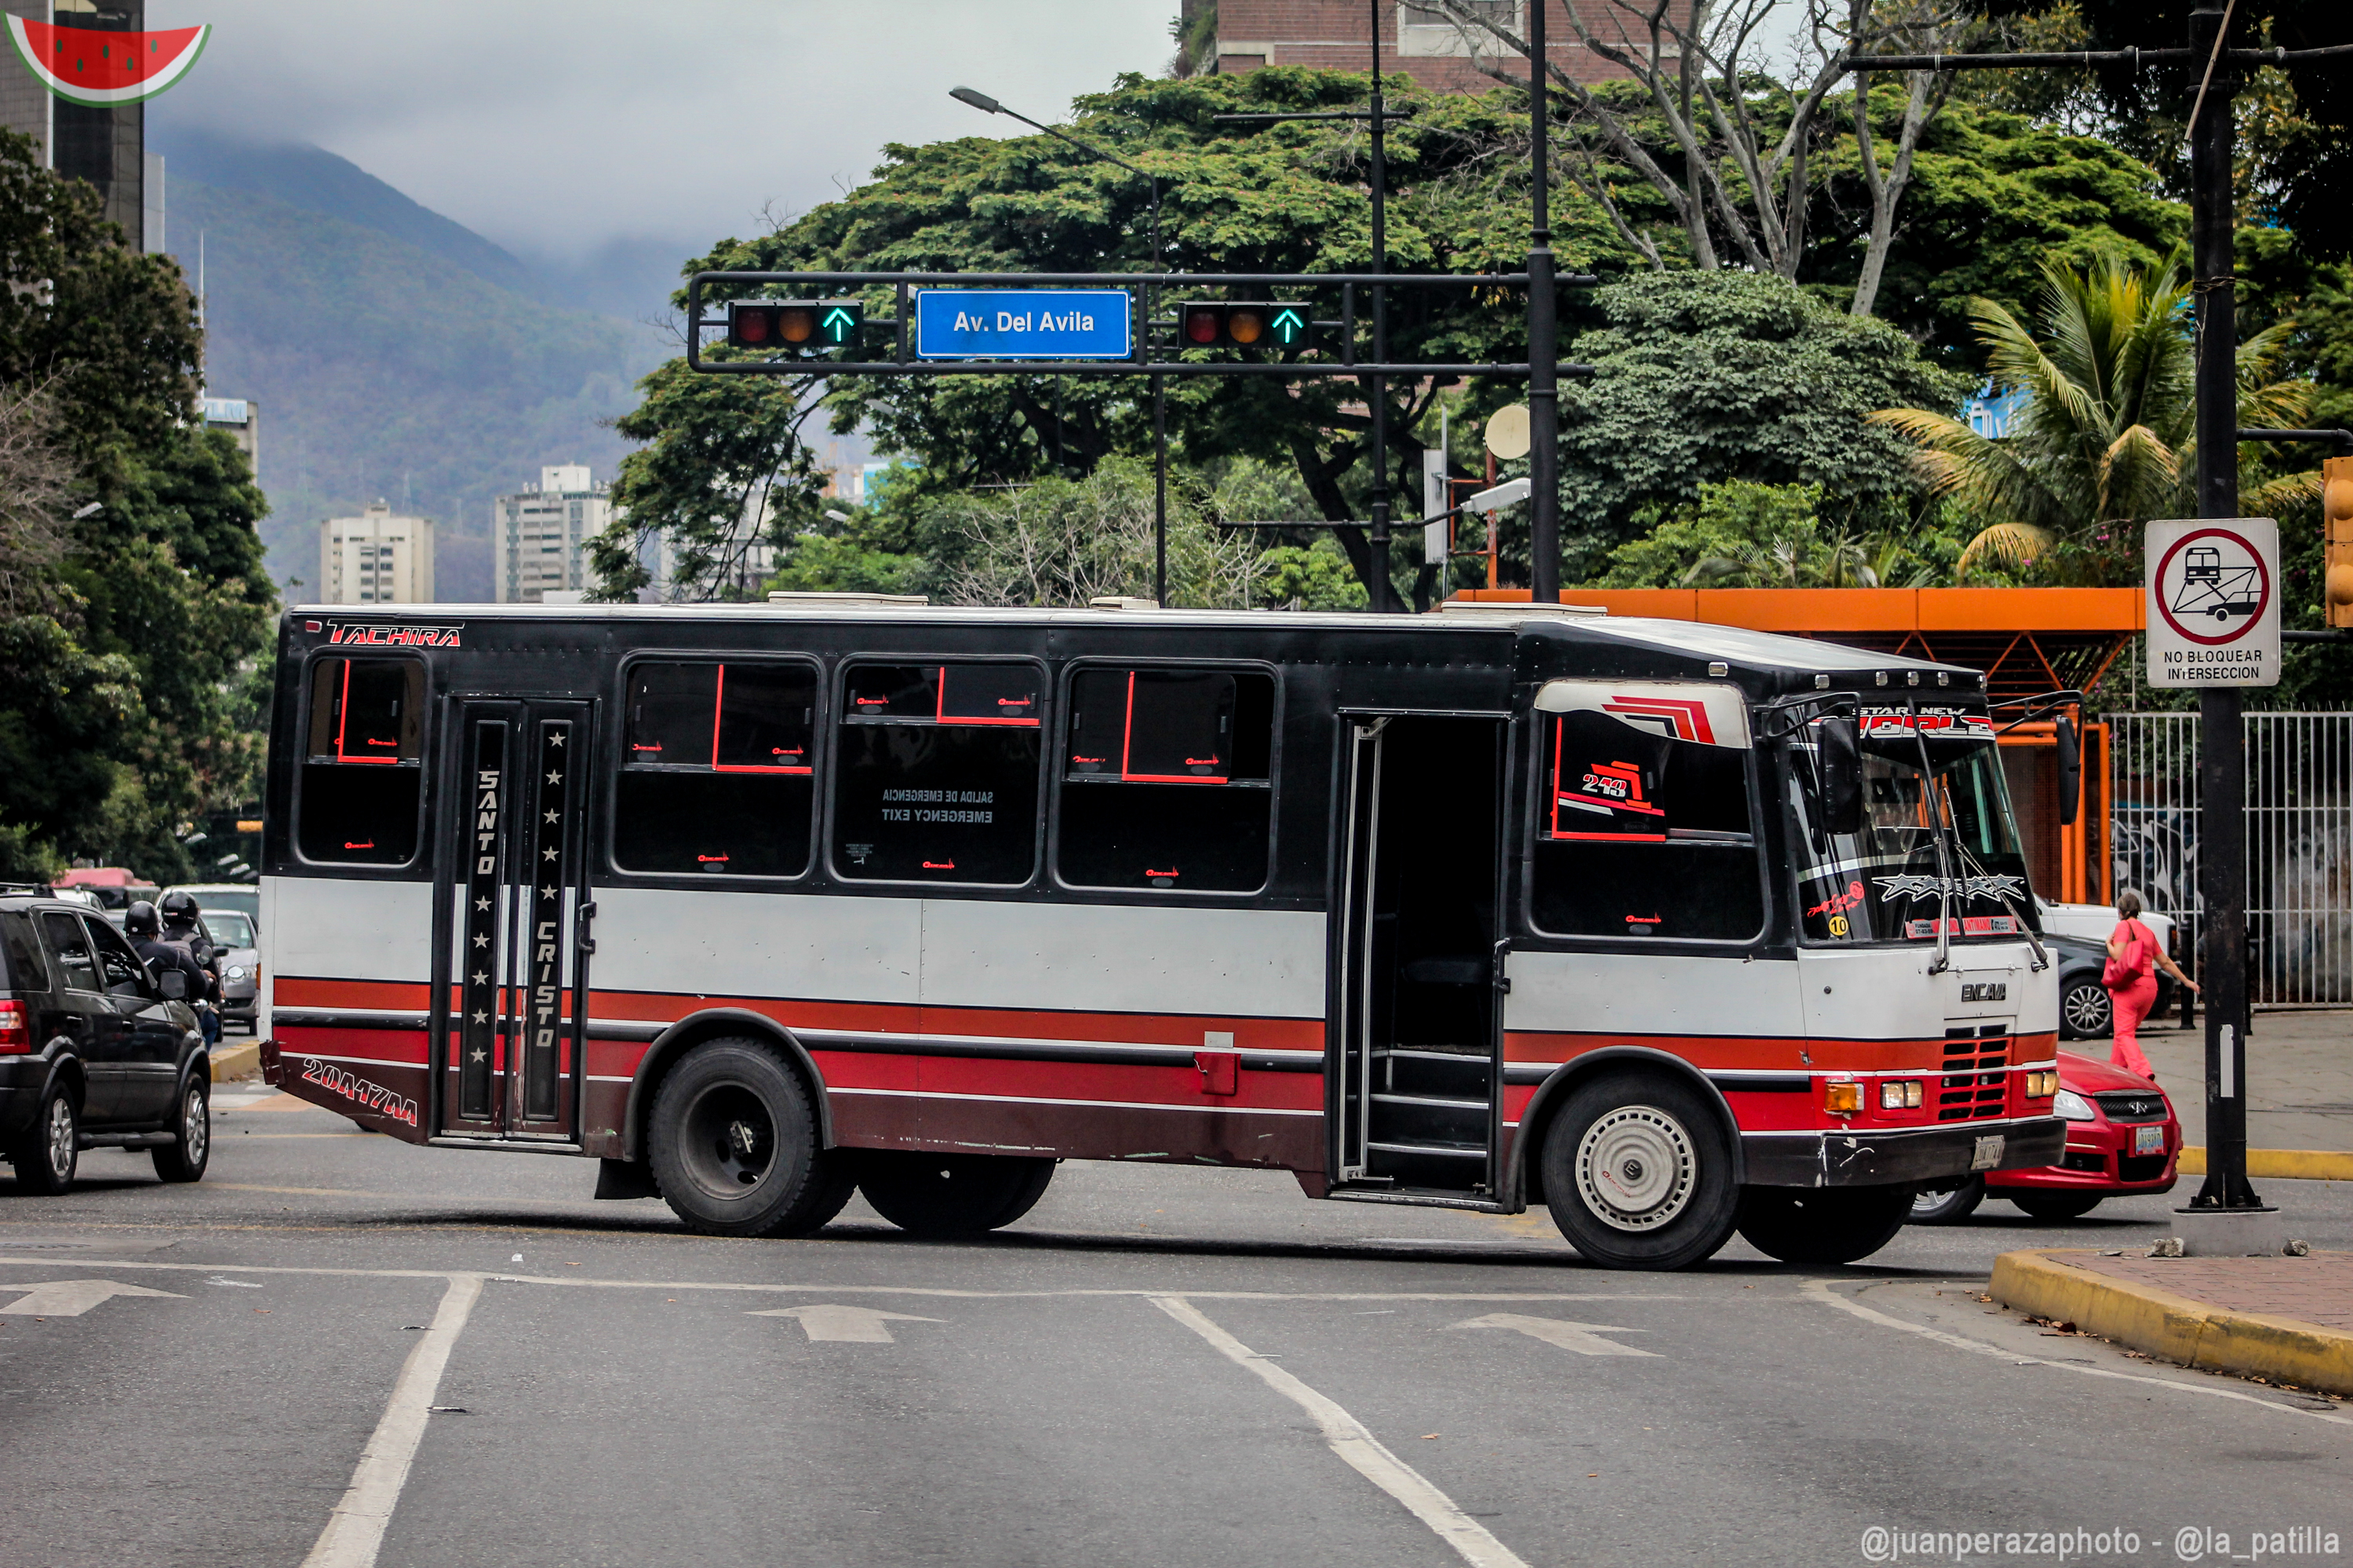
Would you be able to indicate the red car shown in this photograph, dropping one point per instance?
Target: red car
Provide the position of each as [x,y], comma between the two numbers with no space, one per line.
[2122,1137]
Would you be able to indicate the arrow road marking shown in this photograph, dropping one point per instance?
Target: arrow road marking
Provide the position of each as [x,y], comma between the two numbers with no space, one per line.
[72,1297]
[1583,1338]
[845,1325]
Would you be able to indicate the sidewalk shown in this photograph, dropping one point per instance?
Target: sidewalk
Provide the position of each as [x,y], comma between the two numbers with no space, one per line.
[2299,1076]
[2285,1319]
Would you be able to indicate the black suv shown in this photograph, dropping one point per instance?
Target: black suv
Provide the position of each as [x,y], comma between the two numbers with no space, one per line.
[95,1051]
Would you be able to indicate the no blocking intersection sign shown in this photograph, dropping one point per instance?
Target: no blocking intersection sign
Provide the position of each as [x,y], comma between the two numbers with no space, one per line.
[2214,602]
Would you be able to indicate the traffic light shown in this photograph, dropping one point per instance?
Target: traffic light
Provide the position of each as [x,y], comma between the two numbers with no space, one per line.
[790,324]
[2337,520]
[1244,324]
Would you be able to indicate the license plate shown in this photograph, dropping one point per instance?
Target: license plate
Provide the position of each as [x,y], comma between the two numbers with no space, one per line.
[1986,1156]
[2148,1140]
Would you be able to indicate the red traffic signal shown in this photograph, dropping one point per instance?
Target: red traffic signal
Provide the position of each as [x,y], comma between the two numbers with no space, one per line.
[1243,324]
[794,324]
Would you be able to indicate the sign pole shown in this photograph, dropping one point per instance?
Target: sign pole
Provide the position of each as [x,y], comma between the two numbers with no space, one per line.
[2222,765]
[1544,376]
[1378,586]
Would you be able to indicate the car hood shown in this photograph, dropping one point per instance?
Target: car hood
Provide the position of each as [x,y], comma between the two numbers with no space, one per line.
[2090,1075]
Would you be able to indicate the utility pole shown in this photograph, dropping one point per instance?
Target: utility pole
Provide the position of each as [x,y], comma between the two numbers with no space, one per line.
[2221,736]
[1378,586]
[1543,377]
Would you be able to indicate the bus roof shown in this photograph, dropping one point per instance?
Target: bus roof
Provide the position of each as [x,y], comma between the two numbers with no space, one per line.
[1768,651]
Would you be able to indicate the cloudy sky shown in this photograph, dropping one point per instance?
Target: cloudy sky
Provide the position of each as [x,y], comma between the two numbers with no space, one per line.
[556,127]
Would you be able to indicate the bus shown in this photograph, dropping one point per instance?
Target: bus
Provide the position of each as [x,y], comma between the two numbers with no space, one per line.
[1676,930]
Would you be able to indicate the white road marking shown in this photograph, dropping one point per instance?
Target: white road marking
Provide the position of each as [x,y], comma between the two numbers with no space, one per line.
[1584,1338]
[840,1289]
[1820,1289]
[1363,1452]
[844,1325]
[355,1530]
[72,1297]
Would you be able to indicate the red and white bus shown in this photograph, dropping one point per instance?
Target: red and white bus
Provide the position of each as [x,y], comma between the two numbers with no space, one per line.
[1675,929]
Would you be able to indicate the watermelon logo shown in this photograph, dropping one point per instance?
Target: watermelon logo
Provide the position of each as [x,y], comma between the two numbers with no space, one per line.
[98,70]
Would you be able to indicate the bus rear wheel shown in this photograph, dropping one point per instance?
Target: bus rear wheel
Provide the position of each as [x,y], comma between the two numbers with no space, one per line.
[1822,1225]
[1637,1173]
[946,1195]
[733,1145]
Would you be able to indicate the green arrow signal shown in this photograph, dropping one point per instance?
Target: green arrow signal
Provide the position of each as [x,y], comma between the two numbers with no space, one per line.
[1289,324]
[838,324]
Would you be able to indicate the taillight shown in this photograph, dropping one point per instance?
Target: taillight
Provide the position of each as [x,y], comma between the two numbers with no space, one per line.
[15,1030]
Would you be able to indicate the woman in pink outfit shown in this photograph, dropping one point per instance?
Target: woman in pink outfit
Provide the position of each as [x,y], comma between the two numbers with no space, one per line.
[2134,956]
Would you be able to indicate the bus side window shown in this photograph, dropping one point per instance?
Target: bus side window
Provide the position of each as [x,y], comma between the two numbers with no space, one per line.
[363,774]
[1166,780]
[716,769]
[935,773]
[1640,834]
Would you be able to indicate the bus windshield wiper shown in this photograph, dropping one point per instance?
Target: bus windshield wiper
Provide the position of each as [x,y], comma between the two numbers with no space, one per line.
[1934,799]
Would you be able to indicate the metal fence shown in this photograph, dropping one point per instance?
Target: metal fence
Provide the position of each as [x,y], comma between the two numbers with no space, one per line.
[2299,842]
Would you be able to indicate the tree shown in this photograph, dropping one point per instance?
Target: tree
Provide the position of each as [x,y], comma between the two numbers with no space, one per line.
[2106,438]
[135,599]
[1710,376]
[1289,197]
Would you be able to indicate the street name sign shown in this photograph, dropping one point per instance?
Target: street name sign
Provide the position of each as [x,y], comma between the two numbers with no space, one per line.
[1023,323]
[2214,602]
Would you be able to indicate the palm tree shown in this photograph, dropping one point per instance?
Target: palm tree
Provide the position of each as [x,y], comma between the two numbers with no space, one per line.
[2106,437]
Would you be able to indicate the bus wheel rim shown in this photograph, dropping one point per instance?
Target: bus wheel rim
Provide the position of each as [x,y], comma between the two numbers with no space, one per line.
[729,1146]
[1636,1168]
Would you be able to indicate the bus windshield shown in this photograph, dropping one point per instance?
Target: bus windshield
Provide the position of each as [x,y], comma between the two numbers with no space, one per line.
[1885,883]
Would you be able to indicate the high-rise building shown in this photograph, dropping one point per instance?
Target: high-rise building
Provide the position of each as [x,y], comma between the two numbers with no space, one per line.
[375,559]
[108,147]
[539,538]
[241,417]
[1420,40]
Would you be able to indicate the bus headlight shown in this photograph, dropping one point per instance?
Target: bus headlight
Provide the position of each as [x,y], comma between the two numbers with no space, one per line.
[2042,1085]
[1899,1094]
[2071,1107]
[1842,1099]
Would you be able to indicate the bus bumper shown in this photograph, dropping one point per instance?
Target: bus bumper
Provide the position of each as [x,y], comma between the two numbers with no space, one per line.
[1909,1155]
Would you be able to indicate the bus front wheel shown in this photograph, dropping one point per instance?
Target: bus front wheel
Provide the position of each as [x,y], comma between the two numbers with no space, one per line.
[950,1194]
[1637,1173]
[733,1145]
[1822,1225]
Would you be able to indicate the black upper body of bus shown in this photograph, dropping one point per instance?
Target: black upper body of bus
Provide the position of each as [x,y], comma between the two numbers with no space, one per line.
[1130,757]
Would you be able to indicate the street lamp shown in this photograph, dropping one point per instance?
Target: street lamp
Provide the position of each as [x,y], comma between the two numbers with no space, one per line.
[989,105]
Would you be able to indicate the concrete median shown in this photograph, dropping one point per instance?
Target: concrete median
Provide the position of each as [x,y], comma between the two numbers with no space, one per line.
[2118,1299]
[2287,1164]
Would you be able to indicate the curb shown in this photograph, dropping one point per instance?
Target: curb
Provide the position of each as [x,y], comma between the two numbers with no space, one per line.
[2288,1164]
[237,1063]
[2045,1285]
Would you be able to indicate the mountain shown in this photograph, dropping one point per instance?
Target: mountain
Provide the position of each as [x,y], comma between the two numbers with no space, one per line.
[395,354]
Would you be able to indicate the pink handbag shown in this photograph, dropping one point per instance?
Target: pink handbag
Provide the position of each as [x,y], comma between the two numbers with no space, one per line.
[2122,973]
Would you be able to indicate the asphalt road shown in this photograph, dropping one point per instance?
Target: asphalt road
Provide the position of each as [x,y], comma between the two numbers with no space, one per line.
[1158,1366]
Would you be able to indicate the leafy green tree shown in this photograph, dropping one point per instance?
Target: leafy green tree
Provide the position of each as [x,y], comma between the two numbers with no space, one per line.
[1712,376]
[133,602]
[2105,437]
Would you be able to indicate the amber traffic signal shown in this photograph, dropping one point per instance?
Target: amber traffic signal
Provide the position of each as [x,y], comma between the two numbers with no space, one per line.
[785,325]
[2337,520]
[1243,324]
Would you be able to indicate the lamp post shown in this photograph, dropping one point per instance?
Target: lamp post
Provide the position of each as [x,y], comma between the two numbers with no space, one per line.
[989,105]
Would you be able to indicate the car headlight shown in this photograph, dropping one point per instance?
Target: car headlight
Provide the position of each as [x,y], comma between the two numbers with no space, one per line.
[236,972]
[2071,1107]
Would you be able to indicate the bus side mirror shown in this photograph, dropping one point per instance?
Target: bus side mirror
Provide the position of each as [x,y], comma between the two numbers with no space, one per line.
[174,986]
[1842,759]
[2071,772]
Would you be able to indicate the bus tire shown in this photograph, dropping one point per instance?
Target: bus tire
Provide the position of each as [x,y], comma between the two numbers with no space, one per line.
[1637,1173]
[1822,1225]
[945,1196]
[734,1144]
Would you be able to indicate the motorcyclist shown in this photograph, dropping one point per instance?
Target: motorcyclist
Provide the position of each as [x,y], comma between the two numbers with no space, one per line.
[179,914]
[141,924]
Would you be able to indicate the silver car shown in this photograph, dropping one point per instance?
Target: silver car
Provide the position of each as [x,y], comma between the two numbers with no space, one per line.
[231,930]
